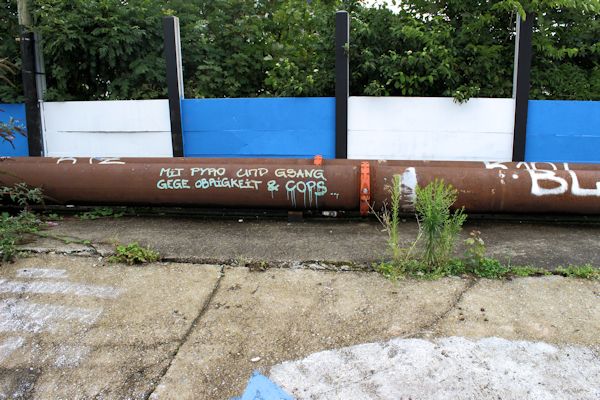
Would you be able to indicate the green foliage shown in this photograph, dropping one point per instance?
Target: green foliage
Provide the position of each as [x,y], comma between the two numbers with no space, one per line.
[22,195]
[102,49]
[133,253]
[523,271]
[12,230]
[490,268]
[53,217]
[8,70]
[475,261]
[9,130]
[474,249]
[438,226]
[14,227]
[586,271]
[438,230]
[110,49]
[390,219]
[10,85]
[102,212]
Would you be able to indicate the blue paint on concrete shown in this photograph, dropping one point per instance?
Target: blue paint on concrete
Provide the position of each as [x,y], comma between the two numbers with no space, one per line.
[17,112]
[563,131]
[259,127]
[261,388]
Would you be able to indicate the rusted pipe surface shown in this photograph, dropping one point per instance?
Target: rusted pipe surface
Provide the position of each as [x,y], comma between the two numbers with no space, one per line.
[502,187]
[304,184]
[168,182]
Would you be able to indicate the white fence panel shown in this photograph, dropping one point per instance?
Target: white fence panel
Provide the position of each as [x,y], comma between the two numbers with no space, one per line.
[430,128]
[116,128]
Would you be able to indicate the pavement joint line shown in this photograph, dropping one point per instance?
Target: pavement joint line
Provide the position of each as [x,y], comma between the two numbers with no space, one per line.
[69,240]
[325,266]
[428,327]
[189,331]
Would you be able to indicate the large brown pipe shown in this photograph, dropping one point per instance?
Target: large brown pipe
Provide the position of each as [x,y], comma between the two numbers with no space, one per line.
[298,184]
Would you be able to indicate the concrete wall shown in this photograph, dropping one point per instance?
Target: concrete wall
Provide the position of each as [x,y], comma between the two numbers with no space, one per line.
[259,127]
[417,128]
[19,145]
[379,128]
[131,128]
[559,130]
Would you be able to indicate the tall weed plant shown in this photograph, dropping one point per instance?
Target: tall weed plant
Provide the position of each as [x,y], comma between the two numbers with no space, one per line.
[438,226]
[431,252]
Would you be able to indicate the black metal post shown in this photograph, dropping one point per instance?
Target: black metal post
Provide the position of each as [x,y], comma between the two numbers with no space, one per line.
[32,102]
[172,44]
[342,82]
[521,84]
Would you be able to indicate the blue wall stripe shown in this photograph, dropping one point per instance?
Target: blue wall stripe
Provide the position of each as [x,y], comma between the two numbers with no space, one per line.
[16,111]
[259,127]
[563,131]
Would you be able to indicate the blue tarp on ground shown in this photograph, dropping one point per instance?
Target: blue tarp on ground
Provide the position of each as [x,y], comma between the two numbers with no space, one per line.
[259,127]
[564,131]
[20,148]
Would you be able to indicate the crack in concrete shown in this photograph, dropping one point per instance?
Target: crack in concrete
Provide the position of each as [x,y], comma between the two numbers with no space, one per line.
[187,334]
[429,327]
[66,240]
[313,265]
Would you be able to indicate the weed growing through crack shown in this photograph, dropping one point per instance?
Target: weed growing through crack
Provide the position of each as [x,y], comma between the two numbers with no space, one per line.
[133,253]
[438,226]
[430,256]
[101,212]
[13,228]
[586,271]
[526,270]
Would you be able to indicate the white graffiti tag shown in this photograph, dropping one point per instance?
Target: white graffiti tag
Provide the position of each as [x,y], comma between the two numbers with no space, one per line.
[545,181]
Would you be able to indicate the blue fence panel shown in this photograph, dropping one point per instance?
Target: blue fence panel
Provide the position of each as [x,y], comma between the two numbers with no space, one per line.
[19,145]
[259,127]
[564,131]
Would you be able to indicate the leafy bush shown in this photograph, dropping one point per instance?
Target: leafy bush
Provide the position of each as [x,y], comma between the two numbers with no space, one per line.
[238,48]
[133,253]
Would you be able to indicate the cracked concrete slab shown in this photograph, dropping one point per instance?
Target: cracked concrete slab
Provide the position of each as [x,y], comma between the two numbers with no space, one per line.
[347,241]
[72,328]
[258,319]
[550,309]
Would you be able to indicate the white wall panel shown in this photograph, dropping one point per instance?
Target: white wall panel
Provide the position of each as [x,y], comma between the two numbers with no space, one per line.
[425,128]
[123,128]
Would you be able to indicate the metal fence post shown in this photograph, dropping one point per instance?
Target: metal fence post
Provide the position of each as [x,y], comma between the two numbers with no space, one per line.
[33,114]
[521,84]
[342,82]
[172,45]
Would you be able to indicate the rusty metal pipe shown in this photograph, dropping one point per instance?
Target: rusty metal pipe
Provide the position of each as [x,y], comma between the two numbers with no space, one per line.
[306,183]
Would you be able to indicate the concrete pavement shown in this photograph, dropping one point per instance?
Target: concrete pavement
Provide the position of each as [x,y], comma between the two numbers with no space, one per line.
[336,242]
[74,326]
